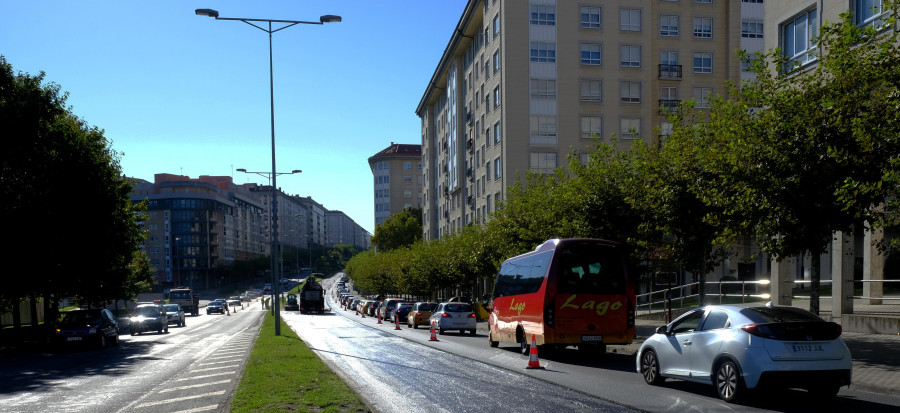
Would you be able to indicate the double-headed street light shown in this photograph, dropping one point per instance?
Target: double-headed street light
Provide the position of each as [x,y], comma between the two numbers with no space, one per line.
[328,18]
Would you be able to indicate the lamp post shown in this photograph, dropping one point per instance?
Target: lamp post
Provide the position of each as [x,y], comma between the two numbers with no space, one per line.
[273,217]
[328,18]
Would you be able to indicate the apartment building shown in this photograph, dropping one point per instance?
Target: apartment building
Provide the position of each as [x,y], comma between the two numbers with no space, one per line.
[343,230]
[196,225]
[397,179]
[523,84]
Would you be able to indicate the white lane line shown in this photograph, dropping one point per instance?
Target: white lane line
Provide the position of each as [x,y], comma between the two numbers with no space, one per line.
[210,369]
[178,399]
[218,362]
[194,386]
[200,409]
[206,376]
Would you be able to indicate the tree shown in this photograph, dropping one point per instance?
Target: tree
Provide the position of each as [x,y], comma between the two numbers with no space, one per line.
[398,230]
[802,152]
[64,197]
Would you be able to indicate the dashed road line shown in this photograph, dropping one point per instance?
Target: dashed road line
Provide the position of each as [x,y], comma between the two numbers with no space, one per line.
[179,399]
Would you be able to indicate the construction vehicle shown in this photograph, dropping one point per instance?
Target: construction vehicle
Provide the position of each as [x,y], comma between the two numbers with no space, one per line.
[291,304]
[312,296]
[187,298]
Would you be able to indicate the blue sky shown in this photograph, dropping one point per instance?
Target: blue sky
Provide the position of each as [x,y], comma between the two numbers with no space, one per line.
[185,94]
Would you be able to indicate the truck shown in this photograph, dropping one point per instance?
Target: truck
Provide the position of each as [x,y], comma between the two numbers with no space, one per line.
[312,296]
[189,300]
[291,304]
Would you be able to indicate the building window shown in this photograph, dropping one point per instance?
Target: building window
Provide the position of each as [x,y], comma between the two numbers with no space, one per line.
[591,54]
[630,92]
[702,62]
[407,179]
[543,125]
[496,25]
[703,1]
[590,127]
[590,18]
[407,166]
[543,52]
[407,193]
[703,27]
[630,20]
[543,14]
[668,25]
[543,88]
[497,170]
[752,29]
[665,128]
[543,162]
[496,61]
[497,97]
[702,96]
[630,128]
[630,56]
[868,12]
[497,136]
[591,90]
[798,35]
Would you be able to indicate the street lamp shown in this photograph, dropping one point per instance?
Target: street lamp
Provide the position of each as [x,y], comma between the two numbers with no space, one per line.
[273,262]
[328,18]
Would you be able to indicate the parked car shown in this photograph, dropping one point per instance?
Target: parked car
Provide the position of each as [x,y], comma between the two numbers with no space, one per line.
[234,302]
[215,307]
[246,297]
[224,303]
[95,326]
[175,314]
[149,317]
[420,314]
[402,310]
[453,316]
[740,347]
[373,309]
[386,309]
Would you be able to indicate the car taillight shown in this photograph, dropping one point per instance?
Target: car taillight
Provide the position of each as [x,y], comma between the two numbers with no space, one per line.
[418,313]
[472,315]
[446,315]
[759,330]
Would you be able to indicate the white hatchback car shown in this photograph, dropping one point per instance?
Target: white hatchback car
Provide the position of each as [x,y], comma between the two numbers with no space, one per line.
[740,347]
[453,316]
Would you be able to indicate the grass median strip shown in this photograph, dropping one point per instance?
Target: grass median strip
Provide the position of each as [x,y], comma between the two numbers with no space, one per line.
[284,375]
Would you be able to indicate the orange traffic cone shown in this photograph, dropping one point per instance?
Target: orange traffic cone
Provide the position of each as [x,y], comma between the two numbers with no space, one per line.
[379,319]
[533,357]
[357,311]
[363,314]
[397,319]
[433,336]
[227,312]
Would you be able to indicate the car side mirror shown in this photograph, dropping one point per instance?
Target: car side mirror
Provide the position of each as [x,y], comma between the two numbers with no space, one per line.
[662,330]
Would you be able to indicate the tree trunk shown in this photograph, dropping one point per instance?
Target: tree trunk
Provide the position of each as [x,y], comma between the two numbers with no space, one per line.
[33,307]
[17,317]
[815,269]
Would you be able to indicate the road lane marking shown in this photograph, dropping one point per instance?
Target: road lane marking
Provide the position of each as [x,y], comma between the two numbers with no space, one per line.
[200,409]
[194,386]
[206,376]
[178,399]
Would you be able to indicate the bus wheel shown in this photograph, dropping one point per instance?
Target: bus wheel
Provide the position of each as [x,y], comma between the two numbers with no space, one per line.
[491,340]
[525,349]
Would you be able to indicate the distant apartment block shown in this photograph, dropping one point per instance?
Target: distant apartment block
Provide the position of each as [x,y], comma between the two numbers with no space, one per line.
[198,224]
[521,84]
[397,179]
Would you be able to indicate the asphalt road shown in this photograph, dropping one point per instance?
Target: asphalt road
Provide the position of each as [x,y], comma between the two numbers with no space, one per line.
[400,369]
[194,368]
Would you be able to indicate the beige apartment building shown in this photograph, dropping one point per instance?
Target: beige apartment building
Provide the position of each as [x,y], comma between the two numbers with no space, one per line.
[397,179]
[523,84]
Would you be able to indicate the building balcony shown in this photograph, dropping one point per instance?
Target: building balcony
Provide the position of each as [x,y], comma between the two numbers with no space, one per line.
[670,71]
[668,105]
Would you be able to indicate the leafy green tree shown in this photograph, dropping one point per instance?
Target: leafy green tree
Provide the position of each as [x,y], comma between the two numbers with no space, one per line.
[64,197]
[803,152]
[398,230]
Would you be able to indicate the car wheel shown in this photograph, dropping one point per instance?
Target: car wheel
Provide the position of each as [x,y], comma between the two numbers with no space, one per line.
[729,386]
[115,340]
[183,323]
[441,331]
[133,331]
[650,368]
[167,328]
[102,341]
[471,332]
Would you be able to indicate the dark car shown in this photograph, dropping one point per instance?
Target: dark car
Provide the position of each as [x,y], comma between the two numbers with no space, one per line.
[402,310]
[95,326]
[386,309]
[175,314]
[149,317]
[215,307]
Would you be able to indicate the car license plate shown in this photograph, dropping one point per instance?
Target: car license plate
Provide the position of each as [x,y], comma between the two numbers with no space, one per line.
[73,338]
[588,339]
[808,348]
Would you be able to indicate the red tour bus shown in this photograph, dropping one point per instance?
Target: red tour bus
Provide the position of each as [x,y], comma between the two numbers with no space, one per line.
[567,292]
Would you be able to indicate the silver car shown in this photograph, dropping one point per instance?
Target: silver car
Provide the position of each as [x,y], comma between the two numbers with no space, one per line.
[741,347]
[453,316]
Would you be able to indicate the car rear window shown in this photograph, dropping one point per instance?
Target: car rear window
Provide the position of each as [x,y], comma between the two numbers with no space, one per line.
[458,308]
[778,314]
[427,306]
